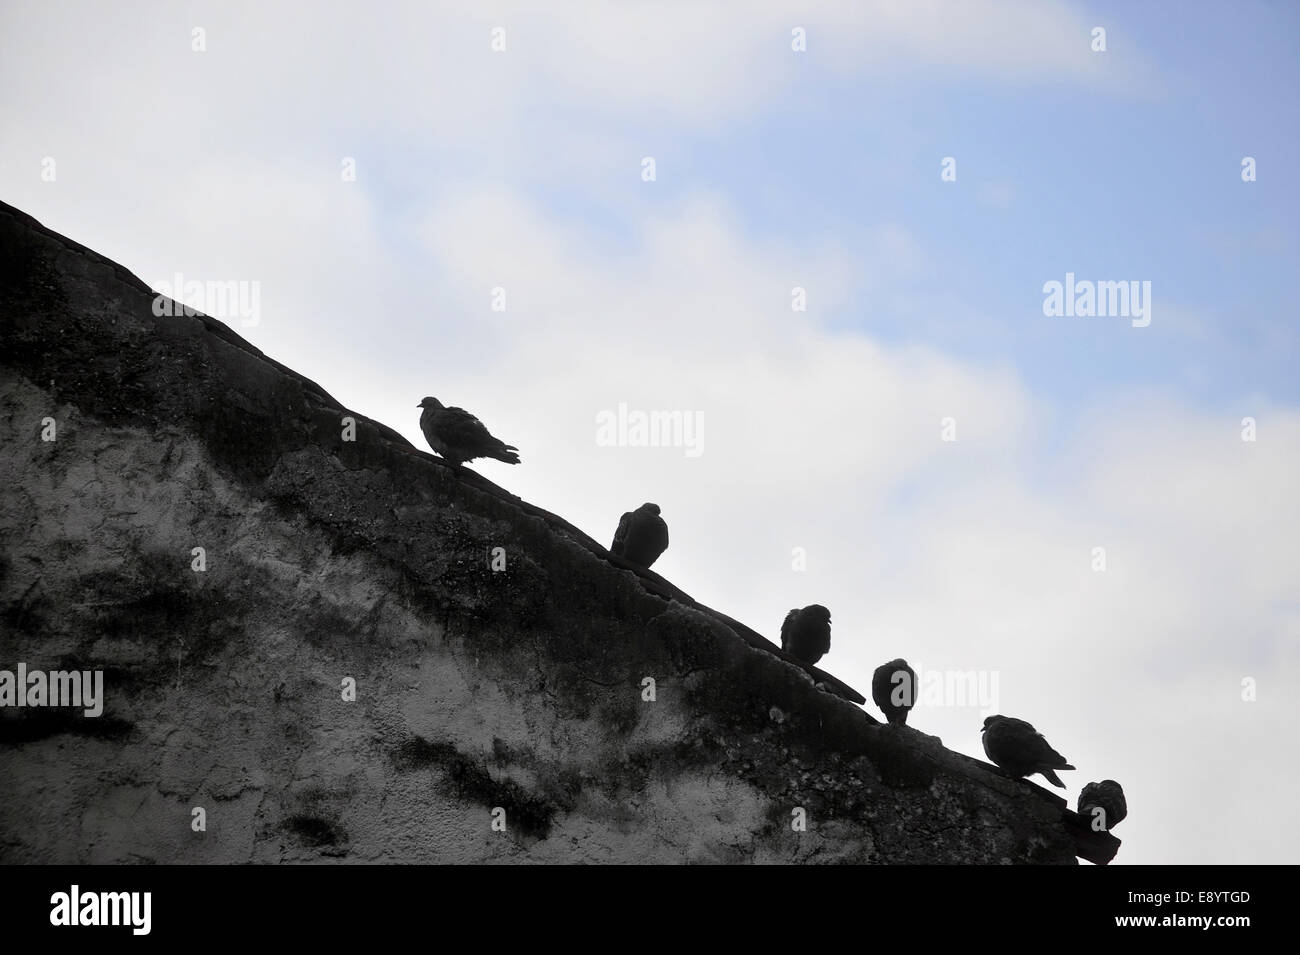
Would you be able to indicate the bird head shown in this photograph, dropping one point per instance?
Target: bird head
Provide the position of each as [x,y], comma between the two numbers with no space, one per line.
[430,403]
[817,610]
[988,721]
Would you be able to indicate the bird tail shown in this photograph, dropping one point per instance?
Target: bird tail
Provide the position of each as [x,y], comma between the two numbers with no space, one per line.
[1051,777]
[507,453]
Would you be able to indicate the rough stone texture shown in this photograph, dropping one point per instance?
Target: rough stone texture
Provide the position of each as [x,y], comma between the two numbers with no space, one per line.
[370,559]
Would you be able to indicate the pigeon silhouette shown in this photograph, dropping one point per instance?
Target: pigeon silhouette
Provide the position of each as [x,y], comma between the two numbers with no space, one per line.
[458,436]
[806,633]
[642,535]
[894,689]
[1020,750]
[1108,796]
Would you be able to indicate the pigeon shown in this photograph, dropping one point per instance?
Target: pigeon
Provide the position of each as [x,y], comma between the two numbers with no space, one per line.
[642,535]
[1108,796]
[806,633]
[893,687]
[459,437]
[1020,750]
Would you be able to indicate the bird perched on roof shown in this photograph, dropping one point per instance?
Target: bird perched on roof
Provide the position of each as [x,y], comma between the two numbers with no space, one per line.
[1020,750]
[642,535]
[1108,796]
[806,633]
[893,687]
[458,436]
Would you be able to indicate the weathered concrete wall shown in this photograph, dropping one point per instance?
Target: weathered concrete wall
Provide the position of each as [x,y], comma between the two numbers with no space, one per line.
[327,559]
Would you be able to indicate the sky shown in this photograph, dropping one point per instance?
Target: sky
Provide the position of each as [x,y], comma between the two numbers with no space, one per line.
[921,448]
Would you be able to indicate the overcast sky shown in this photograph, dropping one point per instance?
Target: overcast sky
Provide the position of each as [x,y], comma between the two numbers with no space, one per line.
[775,168]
